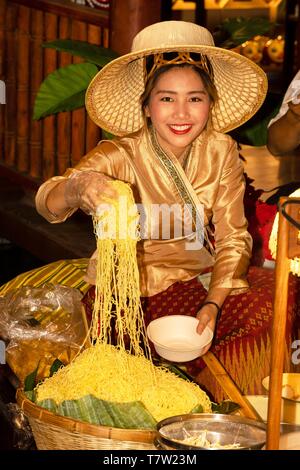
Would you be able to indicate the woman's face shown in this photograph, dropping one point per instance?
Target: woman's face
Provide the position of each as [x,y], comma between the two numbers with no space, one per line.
[179,108]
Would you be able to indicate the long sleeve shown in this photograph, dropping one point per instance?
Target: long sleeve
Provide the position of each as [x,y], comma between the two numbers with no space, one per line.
[105,158]
[233,243]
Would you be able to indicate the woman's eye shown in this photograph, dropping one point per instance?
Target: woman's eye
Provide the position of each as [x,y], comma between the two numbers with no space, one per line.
[196,99]
[166,98]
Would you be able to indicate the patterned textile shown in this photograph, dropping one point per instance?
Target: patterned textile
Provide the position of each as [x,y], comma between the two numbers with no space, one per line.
[66,272]
[242,341]
[260,216]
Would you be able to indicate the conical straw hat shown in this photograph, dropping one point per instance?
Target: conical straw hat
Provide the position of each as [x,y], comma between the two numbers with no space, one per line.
[113,96]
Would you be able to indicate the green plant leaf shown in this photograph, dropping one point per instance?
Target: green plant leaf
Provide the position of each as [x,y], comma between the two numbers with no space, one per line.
[242,29]
[57,364]
[225,407]
[29,382]
[95,54]
[107,135]
[254,132]
[63,90]
[30,394]
[174,368]
[197,409]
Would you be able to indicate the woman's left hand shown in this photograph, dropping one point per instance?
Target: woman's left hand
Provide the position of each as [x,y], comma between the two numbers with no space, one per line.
[207,316]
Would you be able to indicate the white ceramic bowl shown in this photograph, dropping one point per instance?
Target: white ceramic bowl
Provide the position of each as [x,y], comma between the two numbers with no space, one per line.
[290,407]
[175,337]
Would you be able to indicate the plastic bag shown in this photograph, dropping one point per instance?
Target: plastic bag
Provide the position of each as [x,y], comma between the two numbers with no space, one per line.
[39,325]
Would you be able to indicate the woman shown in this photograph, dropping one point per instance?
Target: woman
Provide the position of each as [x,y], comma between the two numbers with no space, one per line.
[169,101]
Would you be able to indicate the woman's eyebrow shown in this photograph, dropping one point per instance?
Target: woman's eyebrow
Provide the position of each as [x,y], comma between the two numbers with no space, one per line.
[172,92]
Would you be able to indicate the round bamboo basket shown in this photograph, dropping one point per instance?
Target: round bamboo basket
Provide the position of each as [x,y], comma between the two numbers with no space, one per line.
[53,432]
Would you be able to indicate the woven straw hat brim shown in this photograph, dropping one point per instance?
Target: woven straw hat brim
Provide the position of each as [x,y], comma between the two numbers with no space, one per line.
[113,96]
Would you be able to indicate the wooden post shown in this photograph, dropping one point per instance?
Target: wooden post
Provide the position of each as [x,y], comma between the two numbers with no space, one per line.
[201,16]
[79,32]
[49,123]
[64,118]
[278,332]
[93,132]
[127,18]
[10,137]
[23,41]
[2,54]
[36,72]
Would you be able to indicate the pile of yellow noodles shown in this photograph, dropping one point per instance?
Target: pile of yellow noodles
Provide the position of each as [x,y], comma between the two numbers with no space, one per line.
[115,375]
[118,373]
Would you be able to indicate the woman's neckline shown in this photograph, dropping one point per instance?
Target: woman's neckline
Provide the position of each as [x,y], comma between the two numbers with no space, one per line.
[182,160]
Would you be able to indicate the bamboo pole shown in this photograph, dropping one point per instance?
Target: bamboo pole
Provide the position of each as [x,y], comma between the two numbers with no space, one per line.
[64,130]
[93,133]
[278,333]
[2,53]
[49,123]
[11,85]
[229,386]
[105,37]
[23,89]
[79,31]
[36,77]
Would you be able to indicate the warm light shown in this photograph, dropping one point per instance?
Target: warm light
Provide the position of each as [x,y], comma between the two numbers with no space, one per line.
[240,4]
[182,5]
[295,262]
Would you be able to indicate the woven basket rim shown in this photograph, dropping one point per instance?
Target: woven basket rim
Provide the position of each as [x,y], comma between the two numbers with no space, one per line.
[73,425]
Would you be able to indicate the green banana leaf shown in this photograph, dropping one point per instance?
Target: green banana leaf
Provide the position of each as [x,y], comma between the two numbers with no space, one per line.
[226,407]
[197,409]
[95,54]
[48,404]
[30,380]
[30,394]
[56,365]
[93,410]
[63,90]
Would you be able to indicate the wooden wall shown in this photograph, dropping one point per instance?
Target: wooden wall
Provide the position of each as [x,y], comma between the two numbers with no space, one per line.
[36,150]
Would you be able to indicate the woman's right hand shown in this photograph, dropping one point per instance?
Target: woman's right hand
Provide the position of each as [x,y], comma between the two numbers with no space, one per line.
[87,190]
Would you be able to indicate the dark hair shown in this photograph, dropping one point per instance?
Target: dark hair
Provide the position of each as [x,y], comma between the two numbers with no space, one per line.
[150,83]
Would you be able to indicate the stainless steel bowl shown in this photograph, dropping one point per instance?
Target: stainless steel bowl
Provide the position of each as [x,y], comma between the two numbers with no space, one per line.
[219,430]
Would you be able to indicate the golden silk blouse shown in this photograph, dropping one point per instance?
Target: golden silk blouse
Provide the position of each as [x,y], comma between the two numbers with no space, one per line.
[212,172]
